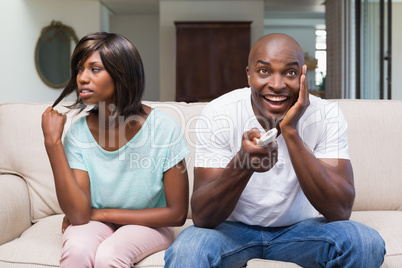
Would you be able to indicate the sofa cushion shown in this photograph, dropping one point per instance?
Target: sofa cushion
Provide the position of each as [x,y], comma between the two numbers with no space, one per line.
[155,260]
[375,151]
[258,263]
[23,154]
[38,246]
[14,207]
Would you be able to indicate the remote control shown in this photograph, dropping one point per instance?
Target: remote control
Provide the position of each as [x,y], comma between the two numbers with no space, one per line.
[267,138]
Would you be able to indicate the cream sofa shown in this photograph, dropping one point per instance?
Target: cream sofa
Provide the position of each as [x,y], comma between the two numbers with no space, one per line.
[30,218]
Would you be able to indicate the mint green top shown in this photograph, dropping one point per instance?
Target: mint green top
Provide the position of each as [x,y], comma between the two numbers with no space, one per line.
[132,176]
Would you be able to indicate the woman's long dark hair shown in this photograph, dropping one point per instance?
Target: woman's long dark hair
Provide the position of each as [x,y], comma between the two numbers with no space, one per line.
[123,63]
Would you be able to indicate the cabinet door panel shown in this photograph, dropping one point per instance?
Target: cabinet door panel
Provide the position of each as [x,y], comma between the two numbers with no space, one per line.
[211,59]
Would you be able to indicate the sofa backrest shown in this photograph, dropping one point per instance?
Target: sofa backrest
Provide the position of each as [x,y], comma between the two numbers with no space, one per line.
[374,132]
[22,153]
[375,147]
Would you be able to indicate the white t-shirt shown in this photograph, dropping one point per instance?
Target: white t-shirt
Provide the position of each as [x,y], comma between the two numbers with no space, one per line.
[273,198]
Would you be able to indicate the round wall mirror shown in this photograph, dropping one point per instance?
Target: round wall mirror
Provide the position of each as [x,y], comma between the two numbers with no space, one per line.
[52,54]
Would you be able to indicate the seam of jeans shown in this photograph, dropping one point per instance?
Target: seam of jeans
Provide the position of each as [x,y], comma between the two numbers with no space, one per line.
[329,241]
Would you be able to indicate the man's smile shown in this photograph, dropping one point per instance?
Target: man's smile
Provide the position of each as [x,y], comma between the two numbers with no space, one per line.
[274,98]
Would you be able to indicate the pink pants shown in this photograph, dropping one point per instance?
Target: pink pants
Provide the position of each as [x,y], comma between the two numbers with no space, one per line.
[98,244]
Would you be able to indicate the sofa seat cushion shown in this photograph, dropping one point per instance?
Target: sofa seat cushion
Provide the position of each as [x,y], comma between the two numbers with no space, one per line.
[38,246]
[155,260]
[258,263]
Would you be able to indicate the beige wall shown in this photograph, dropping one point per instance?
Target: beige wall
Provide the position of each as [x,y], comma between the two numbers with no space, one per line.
[396,51]
[21,24]
[143,31]
[171,11]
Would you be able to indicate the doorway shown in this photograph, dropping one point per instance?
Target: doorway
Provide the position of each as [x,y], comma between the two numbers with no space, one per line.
[374,49]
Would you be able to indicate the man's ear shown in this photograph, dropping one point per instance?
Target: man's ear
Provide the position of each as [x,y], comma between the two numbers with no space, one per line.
[248,75]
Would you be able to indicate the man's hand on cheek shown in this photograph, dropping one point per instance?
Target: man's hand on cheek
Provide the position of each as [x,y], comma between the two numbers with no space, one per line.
[297,110]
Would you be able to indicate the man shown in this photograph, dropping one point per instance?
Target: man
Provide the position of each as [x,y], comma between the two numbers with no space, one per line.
[264,202]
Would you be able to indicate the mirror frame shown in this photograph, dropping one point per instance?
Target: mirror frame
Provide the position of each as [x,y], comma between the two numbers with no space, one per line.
[57,26]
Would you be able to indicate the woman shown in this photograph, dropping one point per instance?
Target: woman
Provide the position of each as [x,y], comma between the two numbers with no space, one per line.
[120,177]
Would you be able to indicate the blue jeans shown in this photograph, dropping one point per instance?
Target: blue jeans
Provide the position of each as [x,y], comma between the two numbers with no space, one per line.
[309,243]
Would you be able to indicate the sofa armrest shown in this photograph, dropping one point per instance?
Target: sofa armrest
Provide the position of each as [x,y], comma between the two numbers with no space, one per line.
[14,207]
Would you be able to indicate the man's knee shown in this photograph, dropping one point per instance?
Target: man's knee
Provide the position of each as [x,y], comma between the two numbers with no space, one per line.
[363,244]
[192,244]
[369,241]
[191,240]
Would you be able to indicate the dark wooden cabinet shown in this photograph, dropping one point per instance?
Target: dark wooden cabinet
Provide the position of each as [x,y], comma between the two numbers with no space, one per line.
[211,59]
